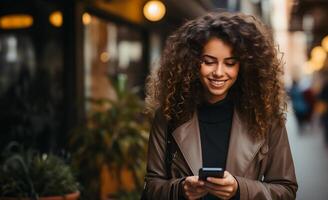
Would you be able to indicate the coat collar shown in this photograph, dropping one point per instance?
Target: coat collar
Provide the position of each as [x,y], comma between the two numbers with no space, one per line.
[187,137]
[242,146]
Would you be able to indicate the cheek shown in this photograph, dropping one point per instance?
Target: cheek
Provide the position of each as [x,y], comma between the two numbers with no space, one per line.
[202,77]
[203,71]
[234,72]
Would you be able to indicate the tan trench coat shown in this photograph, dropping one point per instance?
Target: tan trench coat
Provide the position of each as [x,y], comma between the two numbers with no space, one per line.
[263,168]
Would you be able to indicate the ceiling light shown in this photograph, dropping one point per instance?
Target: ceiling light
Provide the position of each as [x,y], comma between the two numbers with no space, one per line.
[154,10]
[318,54]
[16,21]
[86,18]
[324,43]
[56,19]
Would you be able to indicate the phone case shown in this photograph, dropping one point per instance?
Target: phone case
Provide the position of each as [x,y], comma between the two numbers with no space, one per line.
[210,172]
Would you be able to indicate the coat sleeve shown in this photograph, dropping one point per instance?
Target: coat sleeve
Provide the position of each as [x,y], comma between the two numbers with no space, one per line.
[157,185]
[279,175]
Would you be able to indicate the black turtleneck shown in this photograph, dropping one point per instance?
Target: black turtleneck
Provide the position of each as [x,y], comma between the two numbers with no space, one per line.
[215,124]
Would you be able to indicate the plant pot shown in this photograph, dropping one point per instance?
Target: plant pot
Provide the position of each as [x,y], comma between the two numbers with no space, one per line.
[110,183]
[71,196]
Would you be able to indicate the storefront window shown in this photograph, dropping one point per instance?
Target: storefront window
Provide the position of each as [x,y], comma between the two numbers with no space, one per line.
[111,50]
[31,90]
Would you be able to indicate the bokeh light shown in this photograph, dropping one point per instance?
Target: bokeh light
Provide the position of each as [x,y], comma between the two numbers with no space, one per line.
[56,19]
[16,21]
[154,10]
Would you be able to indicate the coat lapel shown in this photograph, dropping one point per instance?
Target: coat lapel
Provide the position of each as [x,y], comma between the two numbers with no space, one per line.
[242,147]
[187,138]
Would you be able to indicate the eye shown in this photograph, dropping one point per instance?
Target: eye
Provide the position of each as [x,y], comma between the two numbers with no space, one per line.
[209,61]
[231,62]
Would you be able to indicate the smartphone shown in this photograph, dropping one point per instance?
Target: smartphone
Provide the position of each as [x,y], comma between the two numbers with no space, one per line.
[210,172]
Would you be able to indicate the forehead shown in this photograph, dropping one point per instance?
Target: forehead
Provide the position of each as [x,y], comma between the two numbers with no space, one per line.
[216,46]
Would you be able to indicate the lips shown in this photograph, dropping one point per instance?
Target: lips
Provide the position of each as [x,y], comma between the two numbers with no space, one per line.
[217,83]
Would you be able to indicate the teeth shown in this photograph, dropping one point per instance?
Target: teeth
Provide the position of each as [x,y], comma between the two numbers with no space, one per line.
[217,83]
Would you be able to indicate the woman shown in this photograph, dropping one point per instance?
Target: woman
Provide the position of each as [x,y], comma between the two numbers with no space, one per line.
[218,96]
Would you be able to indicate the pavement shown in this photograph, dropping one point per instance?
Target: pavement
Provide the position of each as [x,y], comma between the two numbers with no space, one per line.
[310,154]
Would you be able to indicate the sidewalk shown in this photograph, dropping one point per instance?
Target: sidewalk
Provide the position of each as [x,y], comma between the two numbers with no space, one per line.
[310,155]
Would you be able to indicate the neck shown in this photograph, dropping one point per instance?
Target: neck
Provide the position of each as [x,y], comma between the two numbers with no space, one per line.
[213,100]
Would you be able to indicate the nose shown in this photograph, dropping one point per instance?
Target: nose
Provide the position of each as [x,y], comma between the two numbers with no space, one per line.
[219,70]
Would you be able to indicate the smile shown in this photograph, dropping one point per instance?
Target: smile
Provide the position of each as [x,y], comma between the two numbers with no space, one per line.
[217,83]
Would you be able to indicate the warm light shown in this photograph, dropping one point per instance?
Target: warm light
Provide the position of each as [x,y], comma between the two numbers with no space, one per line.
[56,19]
[86,18]
[16,21]
[313,65]
[308,69]
[104,57]
[318,54]
[324,43]
[154,10]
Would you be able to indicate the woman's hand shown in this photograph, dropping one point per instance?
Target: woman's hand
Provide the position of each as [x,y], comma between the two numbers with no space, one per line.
[193,188]
[224,188]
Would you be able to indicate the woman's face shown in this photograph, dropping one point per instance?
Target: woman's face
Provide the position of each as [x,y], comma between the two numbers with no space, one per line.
[218,70]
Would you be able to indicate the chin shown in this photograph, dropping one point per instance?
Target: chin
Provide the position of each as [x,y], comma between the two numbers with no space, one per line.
[218,95]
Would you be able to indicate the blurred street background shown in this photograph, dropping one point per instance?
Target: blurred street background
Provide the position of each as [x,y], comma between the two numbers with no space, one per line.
[72,76]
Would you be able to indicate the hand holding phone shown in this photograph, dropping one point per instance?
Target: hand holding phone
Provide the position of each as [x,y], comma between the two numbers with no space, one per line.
[210,172]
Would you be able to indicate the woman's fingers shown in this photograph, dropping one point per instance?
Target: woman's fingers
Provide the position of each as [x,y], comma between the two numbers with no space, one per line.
[211,186]
[224,188]
[227,179]
[221,195]
[219,181]
[193,182]
[193,188]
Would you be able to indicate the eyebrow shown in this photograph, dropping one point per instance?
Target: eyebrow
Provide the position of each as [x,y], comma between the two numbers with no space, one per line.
[213,57]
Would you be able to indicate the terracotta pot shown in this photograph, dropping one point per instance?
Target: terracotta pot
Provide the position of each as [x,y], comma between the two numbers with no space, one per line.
[72,196]
[110,183]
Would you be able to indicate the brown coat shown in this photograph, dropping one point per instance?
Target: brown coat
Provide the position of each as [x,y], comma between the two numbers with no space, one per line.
[263,168]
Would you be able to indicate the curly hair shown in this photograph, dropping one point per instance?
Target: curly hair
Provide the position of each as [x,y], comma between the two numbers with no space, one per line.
[258,94]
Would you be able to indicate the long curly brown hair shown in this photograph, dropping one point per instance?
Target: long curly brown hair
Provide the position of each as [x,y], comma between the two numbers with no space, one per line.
[258,94]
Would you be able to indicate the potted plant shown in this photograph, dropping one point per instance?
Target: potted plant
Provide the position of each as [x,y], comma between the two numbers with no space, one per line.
[27,175]
[112,144]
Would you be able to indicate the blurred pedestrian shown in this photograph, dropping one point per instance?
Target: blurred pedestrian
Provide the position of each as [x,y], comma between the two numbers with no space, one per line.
[219,102]
[300,106]
[310,100]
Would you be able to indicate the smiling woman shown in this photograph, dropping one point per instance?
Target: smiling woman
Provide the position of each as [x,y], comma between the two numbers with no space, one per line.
[219,103]
[218,70]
